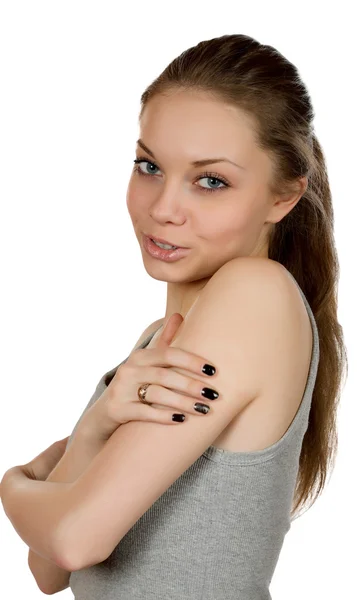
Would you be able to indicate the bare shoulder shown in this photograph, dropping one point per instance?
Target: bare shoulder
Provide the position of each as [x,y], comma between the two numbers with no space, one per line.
[250,270]
[244,275]
[266,282]
[265,276]
[260,336]
[254,306]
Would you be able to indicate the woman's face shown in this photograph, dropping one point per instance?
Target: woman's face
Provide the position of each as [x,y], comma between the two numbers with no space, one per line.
[167,196]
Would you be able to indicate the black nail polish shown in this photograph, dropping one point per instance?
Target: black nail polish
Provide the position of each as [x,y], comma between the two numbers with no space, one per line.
[178,417]
[208,369]
[202,408]
[208,393]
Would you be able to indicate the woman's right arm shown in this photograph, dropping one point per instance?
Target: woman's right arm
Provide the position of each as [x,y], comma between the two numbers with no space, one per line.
[49,577]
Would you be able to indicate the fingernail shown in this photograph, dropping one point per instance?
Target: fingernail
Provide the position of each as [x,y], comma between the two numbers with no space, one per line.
[202,408]
[208,393]
[178,417]
[208,369]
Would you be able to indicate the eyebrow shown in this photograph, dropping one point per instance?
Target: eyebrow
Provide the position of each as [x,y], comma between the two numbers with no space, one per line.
[195,163]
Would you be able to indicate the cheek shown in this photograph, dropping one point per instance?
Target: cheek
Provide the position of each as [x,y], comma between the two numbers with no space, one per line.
[135,198]
[231,227]
[129,200]
[234,230]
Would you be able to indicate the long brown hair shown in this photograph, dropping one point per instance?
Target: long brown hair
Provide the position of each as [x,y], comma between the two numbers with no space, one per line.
[257,79]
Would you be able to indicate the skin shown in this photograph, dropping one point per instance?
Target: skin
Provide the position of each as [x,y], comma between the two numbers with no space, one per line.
[170,201]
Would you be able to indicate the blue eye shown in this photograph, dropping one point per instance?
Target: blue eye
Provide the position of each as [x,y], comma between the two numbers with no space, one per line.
[205,175]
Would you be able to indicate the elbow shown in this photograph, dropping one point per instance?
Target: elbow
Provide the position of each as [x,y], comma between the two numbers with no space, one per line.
[67,557]
[75,561]
[54,589]
[48,592]
[72,551]
[63,555]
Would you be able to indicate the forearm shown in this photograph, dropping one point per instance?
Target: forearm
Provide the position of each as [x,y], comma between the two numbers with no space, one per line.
[79,454]
[35,509]
[49,577]
[77,457]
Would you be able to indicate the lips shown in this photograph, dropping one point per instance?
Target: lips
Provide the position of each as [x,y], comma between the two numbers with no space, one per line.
[162,241]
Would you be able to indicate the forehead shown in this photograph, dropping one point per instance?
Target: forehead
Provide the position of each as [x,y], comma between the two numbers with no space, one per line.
[187,125]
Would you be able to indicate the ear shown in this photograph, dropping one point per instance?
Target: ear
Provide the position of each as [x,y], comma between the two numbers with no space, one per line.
[286,201]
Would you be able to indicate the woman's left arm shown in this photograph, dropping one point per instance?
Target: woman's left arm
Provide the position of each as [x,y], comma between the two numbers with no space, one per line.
[35,509]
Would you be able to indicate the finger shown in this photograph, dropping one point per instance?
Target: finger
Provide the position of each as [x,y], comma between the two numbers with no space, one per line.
[144,412]
[63,440]
[170,330]
[163,380]
[180,402]
[166,356]
[62,444]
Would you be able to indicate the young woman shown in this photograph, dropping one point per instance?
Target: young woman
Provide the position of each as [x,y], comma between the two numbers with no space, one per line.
[143,505]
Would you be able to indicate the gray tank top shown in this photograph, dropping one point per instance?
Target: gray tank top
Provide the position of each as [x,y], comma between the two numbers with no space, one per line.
[217,532]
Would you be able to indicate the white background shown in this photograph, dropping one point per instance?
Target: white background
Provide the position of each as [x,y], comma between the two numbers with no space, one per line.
[75,295]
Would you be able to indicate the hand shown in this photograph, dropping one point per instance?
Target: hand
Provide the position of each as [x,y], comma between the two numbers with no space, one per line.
[120,404]
[41,466]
